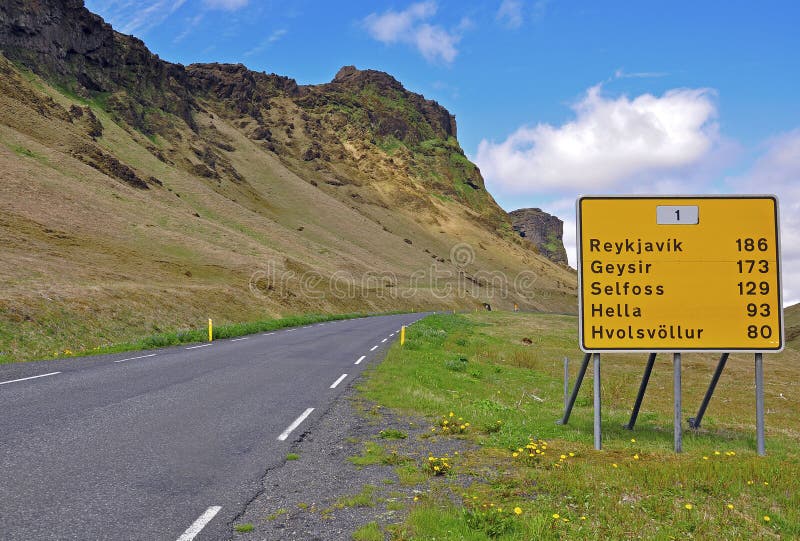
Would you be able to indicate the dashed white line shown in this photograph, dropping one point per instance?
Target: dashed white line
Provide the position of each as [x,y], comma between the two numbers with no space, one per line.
[200,346]
[391,334]
[31,377]
[291,330]
[239,339]
[373,348]
[361,359]
[134,358]
[338,381]
[295,424]
[197,526]
[384,340]
[268,334]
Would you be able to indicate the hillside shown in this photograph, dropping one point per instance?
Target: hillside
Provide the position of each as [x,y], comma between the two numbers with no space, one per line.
[791,324]
[140,196]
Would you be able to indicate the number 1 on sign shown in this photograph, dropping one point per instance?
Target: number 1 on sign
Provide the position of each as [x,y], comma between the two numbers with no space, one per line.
[677,214]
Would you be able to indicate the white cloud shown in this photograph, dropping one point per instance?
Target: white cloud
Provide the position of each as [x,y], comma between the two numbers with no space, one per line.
[227,5]
[777,171]
[610,142]
[410,26]
[136,17]
[265,43]
[622,74]
[510,13]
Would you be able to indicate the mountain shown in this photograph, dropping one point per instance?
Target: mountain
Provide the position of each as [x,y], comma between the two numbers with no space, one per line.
[140,195]
[543,230]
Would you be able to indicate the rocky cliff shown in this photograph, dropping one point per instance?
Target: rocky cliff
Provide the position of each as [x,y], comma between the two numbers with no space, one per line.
[543,230]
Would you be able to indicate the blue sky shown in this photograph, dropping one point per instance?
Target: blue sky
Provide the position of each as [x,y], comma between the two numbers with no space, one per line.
[553,98]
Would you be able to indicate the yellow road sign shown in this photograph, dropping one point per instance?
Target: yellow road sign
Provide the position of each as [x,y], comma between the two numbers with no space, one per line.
[679,273]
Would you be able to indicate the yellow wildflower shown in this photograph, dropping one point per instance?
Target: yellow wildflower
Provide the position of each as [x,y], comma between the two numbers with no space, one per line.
[517,511]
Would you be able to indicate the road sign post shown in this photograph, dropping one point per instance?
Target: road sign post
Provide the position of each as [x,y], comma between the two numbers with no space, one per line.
[680,274]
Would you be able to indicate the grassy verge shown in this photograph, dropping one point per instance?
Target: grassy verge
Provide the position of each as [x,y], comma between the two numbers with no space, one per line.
[496,380]
[188,336]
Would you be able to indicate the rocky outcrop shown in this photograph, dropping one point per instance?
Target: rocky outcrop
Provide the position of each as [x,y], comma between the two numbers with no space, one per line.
[65,42]
[354,81]
[544,230]
[246,92]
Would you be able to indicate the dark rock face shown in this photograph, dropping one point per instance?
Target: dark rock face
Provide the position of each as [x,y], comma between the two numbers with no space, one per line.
[243,90]
[544,230]
[62,40]
[436,115]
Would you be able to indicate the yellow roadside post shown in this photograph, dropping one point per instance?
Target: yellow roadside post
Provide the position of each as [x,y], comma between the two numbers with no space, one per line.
[210,330]
[402,335]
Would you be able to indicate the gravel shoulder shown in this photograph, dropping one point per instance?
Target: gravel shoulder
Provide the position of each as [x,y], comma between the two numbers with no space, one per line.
[324,495]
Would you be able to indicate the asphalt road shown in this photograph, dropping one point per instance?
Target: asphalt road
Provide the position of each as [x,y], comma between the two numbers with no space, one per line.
[167,444]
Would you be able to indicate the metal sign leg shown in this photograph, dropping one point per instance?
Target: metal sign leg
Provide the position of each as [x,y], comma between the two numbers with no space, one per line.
[597,434]
[676,366]
[760,405]
[575,389]
[694,422]
[566,382]
[651,359]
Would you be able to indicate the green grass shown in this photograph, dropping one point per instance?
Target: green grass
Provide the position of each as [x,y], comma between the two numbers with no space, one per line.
[636,487]
[368,532]
[392,434]
[375,453]
[292,456]
[365,498]
[22,151]
[410,475]
[243,528]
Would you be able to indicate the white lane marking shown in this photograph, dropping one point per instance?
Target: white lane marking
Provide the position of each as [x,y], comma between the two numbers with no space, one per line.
[31,377]
[200,346]
[384,340]
[391,334]
[338,381]
[373,348]
[295,424]
[134,358]
[239,339]
[199,524]
[291,330]
[361,359]
[268,334]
